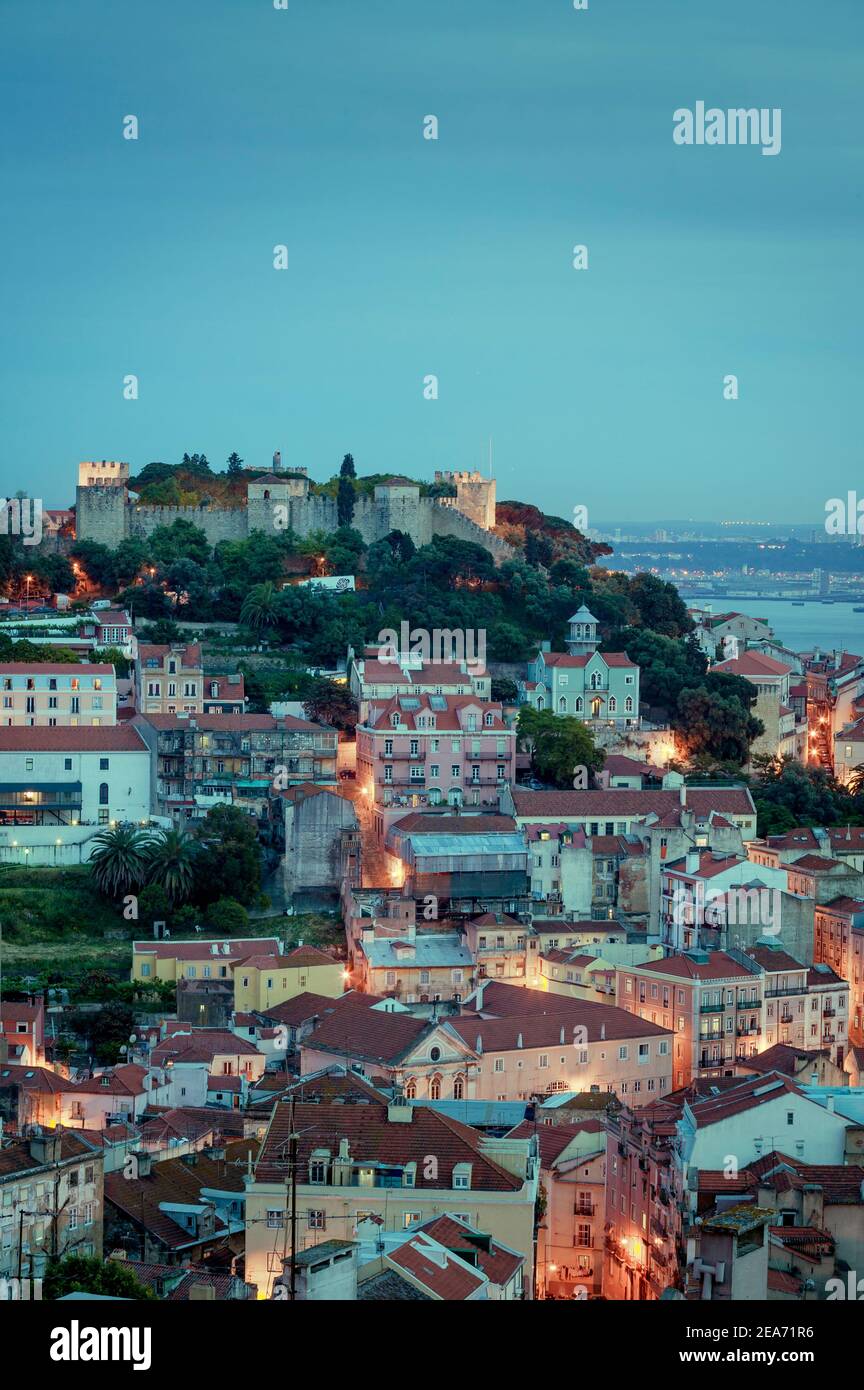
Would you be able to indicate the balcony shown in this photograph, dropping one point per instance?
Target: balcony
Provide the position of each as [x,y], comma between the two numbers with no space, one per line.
[712,1008]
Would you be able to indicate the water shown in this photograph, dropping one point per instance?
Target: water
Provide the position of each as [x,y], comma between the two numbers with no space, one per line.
[815,624]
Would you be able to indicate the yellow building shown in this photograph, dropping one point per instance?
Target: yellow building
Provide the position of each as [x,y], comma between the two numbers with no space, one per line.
[263,981]
[195,960]
[397,1163]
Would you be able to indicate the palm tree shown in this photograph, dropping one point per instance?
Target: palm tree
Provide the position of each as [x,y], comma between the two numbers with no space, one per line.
[119,859]
[855,785]
[259,606]
[171,864]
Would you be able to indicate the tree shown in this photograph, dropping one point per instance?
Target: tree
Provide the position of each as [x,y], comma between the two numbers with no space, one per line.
[329,703]
[228,918]
[180,541]
[260,607]
[505,690]
[171,864]
[661,607]
[86,1274]
[228,863]
[560,745]
[345,495]
[119,860]
[235,464]
[714,724]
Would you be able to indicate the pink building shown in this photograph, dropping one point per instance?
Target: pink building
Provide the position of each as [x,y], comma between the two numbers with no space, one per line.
[425,750]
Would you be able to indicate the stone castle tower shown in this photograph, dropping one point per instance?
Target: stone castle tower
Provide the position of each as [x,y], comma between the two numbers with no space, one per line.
[475,496]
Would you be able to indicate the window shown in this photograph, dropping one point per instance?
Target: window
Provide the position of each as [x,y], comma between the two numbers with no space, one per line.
[318,1170]
[315,1220]
[103,793]
[275,1219]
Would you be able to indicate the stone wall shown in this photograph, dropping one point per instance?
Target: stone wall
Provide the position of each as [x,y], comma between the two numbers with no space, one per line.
[106,515]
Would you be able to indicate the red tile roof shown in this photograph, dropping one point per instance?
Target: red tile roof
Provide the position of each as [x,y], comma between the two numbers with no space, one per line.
[498,1262]
[106,738]
[446,719]
[437,1271]
[629,802]
[353,1028]
[372,1138]
[719,966]
[428,823]
[239,948]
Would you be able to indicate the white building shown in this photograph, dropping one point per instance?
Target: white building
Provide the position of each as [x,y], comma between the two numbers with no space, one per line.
[60,786]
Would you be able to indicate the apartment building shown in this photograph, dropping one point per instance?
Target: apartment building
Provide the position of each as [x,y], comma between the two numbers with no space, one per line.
[570,1237]
[710,898]
[203,759]
[639,1250]
[709,1000]
[806,1006]
[839,944]
[196,960]
[771,681]
[373,681]
[425,750]
[263,981]
[412,966]
[51,1202]
[397,1163]
[169,679]
[51,694]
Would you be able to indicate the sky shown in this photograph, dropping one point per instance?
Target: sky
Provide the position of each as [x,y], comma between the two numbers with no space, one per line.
[408,257]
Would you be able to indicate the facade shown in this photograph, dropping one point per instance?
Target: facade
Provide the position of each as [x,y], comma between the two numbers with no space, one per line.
[224,695]
[200,760]
[712,1002]
[317,833]
[428,750]
[839,943]
[195,960]
[60,786]
[570,1236]
[169,679]
[711,898]
[57,694]
[262,982]
[51,1202]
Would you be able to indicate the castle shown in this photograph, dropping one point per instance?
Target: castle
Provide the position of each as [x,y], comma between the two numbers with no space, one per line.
[282,500]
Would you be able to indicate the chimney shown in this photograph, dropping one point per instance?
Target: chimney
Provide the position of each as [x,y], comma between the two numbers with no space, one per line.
[519,1040]
[692,861]
[682,794]
[143,1162]
[45,1148]
[478,995]
[830,1105]
[602,1032]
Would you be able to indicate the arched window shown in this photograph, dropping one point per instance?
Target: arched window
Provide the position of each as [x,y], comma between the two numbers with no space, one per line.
[613,704]
[577,629]
[103,793]
[266,494]
[579,705]
[595,679]
[628,704]
[458,1088]
[410,1089]
[540,701]
[435,1088]
[562,705]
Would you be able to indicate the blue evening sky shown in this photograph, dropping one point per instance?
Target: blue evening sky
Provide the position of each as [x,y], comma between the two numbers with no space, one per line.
[408,257]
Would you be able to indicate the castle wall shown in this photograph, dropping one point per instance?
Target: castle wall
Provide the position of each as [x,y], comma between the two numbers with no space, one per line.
[217,523]
[105,514]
